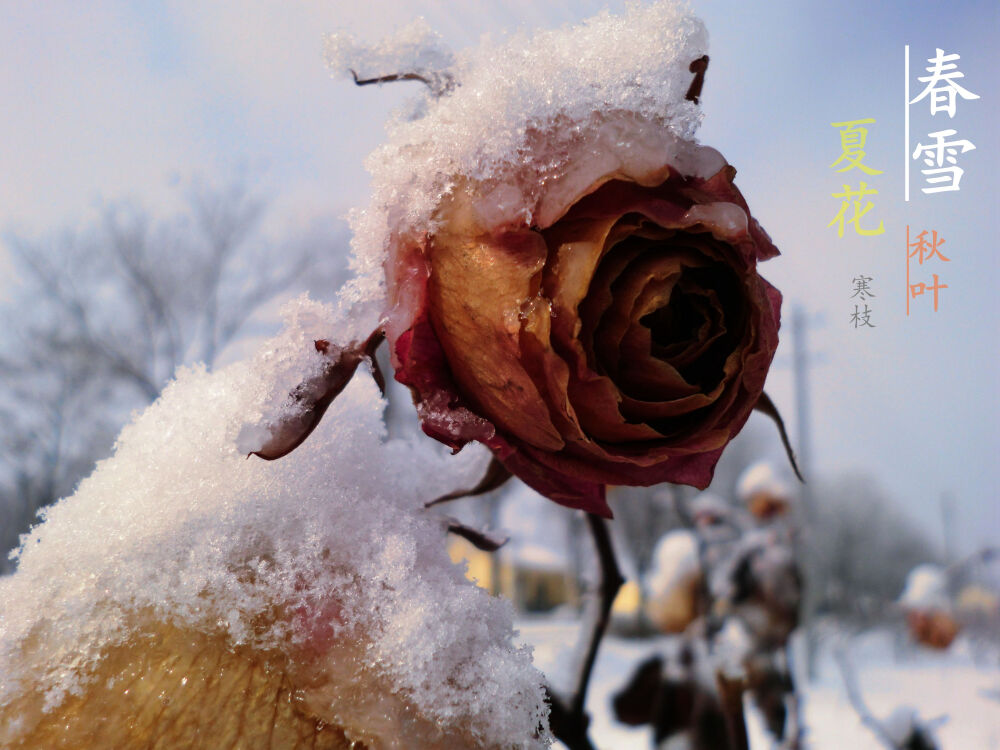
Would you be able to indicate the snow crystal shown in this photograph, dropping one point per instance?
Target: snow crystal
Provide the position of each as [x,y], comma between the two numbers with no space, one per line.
[180,527]
[553,110]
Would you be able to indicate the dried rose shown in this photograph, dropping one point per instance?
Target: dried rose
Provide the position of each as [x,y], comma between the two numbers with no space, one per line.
[620,335]
[570,279]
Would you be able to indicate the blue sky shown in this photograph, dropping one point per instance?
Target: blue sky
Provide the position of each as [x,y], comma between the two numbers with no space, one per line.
[115,99]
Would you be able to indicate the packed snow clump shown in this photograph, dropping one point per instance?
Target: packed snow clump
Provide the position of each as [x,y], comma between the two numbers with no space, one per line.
[672,584]
[675,560]
[732,645]
[760,477]
[530,118]
[324,552]
[926,588]
[415,49]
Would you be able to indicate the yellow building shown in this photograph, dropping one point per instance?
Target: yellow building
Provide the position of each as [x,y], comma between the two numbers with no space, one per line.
[530,577]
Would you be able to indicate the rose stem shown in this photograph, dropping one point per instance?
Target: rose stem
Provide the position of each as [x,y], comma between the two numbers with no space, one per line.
[569,724]
[611,581]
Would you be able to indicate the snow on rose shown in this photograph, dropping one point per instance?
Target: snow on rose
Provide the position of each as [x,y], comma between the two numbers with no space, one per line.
[568,277]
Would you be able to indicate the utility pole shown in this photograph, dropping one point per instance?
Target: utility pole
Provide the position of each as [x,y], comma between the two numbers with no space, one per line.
[800,372]
[815,579]
[948,526]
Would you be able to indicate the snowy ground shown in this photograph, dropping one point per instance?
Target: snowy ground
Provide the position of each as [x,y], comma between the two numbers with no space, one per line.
[935,684]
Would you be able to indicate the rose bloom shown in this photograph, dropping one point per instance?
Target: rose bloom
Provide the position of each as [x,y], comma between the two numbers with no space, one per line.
[616,332]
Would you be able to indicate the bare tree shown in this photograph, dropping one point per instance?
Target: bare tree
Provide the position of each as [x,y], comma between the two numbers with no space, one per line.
[861,548]
[94,323]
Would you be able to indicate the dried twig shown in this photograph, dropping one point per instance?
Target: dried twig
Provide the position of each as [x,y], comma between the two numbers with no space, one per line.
[439,84]
[698,67]
[390,78]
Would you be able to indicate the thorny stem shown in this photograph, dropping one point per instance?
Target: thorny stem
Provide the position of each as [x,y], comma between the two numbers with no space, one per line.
[611,581]
[569,720]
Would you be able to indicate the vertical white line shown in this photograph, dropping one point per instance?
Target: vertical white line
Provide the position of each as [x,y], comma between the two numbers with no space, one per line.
[906,123]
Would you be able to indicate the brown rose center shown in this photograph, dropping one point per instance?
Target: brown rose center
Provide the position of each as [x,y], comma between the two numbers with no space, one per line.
[663,316]
[690,331]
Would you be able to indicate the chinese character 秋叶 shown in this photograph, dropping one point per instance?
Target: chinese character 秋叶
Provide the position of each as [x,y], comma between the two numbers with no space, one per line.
[925,250]
[919,288]
[938,153]
[861,288]
[852,144]
[941,86]
[862,317]
[858,195]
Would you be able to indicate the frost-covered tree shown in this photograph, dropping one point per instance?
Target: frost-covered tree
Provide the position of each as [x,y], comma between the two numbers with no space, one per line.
[94,321]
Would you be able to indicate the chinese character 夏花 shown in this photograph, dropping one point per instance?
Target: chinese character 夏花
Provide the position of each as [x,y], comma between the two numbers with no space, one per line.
[853,136]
